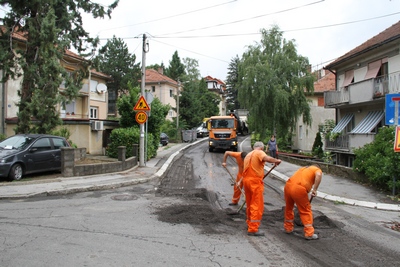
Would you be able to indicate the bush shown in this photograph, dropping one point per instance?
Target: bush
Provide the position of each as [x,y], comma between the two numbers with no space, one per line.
[2,137]
[64,132]
[378,161]
[128,137]
[317,146]
[123,137]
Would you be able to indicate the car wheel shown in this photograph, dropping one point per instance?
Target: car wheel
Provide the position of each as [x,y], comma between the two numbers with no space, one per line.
[210,149]
[16,172]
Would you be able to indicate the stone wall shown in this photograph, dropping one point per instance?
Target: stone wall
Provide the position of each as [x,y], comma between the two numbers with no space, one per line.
[69,156]
[336,170]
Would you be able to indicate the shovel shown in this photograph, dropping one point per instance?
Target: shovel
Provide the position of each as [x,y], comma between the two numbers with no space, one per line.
[233,181]
[241,190]
[270,170]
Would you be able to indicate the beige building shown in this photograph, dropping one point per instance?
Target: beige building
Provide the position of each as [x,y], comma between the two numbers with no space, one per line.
[85,117]
[218,87]
[364,77]
[164,88]
[304,137]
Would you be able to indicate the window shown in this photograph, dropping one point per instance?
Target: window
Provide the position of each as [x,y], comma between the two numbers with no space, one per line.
[170,113]
[93,85]
[58,143]
[153,89]
[348,78]
[170,92]
[321,101]
[383,71]
[301,132]
[93,113]
[376,68]
[42,144]
[70,107]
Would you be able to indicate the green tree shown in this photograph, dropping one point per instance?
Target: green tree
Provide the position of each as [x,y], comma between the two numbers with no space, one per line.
[154,122]
[196,101]
[175,69]
[44,30]
[125,106]
[156,66]
[317,149]
[232,101]
[272,82]
[378,161]
[115,60]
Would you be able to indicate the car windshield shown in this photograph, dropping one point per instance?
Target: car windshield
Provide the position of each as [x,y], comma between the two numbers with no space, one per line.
[16,142]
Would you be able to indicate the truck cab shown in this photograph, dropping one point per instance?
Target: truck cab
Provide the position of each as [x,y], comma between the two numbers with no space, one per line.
[222,133]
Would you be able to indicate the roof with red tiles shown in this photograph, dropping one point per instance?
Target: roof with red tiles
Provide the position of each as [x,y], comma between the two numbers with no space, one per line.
[209,78]
[153,76]
[20,36]
[326,83]
[390,34]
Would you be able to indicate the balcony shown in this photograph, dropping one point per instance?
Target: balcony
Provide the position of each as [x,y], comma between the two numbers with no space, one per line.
[347,142]
[364,91]
[340,143]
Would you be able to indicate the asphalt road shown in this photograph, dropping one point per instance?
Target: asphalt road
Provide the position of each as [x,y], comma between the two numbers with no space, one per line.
[182,219]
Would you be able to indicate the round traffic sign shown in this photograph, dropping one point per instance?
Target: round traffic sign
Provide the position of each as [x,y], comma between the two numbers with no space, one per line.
[141,117]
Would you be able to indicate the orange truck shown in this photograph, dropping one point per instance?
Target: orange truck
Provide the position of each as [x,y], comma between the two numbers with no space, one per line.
[223,132]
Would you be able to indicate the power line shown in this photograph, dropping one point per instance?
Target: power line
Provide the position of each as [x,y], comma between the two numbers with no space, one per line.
[169,17]
[191,51]
[255,17]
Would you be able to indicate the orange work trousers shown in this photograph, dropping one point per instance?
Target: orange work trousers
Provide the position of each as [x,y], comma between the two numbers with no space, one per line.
[297,194]
[254,190]
[237,190]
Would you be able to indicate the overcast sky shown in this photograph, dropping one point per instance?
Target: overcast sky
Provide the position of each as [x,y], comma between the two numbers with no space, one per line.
[215,31]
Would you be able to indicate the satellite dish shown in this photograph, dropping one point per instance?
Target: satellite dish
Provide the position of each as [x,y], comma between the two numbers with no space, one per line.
[101,88]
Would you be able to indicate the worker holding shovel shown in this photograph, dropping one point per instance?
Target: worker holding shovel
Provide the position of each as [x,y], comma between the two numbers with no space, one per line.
[238,185]
[296,191]
[253,176]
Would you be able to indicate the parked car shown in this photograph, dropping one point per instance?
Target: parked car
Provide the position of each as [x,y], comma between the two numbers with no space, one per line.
[23,154]
[202,130]
[164,139]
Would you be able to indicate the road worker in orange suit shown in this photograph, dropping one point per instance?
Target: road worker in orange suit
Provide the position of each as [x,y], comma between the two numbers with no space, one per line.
[237,188]
[296,191]
[253,176]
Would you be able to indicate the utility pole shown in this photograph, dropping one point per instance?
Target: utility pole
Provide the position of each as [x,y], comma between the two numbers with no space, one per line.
[177,110]
[142,92]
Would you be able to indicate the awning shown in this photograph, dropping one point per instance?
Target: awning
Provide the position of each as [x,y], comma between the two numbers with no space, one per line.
[373,69]
[343,123]
[348,77]
[369,122]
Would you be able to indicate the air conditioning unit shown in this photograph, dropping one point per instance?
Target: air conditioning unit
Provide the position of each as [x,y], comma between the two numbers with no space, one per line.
[97,126]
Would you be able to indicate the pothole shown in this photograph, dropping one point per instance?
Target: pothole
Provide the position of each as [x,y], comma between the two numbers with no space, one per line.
[124,197]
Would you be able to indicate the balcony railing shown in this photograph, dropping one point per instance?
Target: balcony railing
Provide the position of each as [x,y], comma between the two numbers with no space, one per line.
[364,91]
[348,142]
[341,142]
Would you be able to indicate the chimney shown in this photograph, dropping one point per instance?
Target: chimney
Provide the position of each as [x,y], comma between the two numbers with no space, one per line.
[161,70]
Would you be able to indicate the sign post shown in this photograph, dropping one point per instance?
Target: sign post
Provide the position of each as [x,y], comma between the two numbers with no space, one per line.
[395,99]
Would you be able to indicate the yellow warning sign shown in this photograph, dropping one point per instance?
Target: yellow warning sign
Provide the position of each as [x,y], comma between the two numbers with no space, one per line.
[142,105]
[397,140]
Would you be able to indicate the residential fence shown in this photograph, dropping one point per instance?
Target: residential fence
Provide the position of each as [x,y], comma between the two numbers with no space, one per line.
[70,156]
[337,170]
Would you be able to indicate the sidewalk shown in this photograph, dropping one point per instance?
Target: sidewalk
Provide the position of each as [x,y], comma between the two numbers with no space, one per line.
[332,188]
